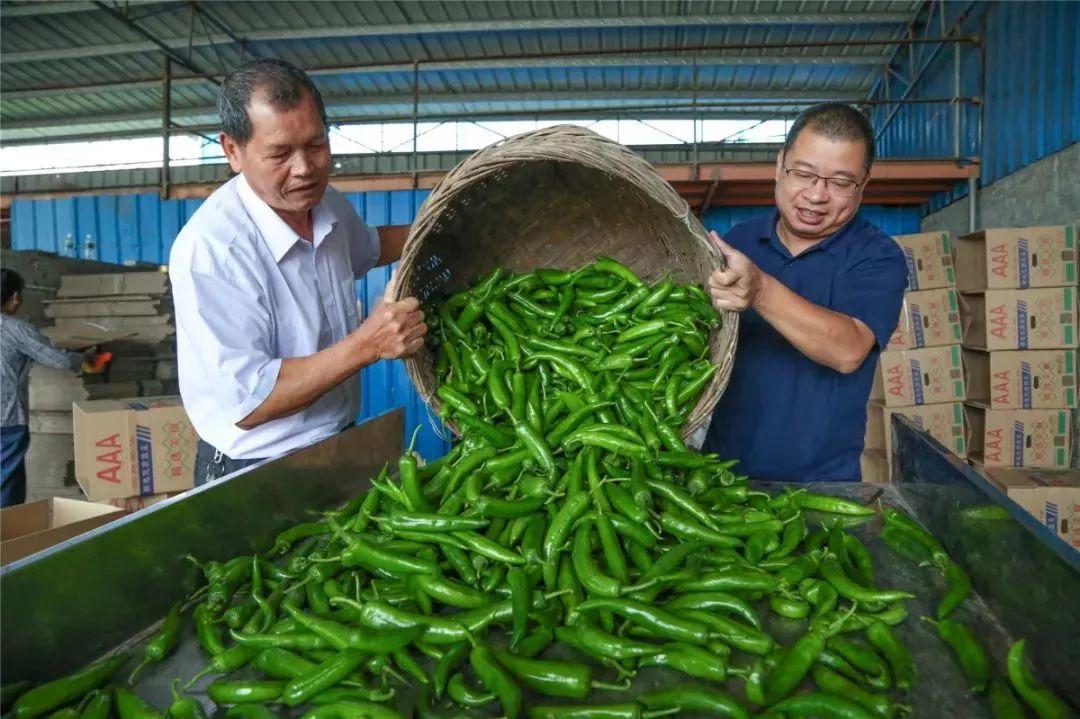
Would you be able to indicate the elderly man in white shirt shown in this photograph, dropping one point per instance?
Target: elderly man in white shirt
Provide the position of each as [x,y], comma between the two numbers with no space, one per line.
[268,333]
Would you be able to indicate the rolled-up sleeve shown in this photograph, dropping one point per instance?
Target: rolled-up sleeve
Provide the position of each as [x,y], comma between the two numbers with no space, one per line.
[37,347]
[872,291]
[364,247]
[227,330]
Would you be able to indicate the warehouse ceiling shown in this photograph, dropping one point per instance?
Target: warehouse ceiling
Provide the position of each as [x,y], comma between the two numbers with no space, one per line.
[84,70]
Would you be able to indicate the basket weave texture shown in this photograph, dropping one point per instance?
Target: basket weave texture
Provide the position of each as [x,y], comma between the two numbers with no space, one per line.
[557,197]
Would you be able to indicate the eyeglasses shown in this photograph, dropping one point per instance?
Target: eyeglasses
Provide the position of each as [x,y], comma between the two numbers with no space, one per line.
[840,186]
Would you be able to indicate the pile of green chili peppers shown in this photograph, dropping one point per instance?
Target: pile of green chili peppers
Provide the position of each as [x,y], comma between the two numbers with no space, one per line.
[568,541]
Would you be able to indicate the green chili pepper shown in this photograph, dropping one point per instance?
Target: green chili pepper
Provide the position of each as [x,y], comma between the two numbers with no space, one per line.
[707,601]
[184,707]
[46,697]
[832,505]
[1041,699]
[496,679]
[692,698]
[351,709]
[864,659]
[1003,703]
[342,637]
[834,575]
[898,657]
[162,643]
[228,661]
[660,622]
[968,650]
[627,710]
[818,704]
[281,663]
[601,644]
[129,705]
[794,665]
[832,683]
[300,641]
[461,693]
[789,607]
[742,637]
[694,661]
[250,711]
[959,584]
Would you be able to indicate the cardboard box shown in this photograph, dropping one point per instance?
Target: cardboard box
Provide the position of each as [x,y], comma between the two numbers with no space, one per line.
[135,447]
[121,283]
[29,528]
[1019,437]
[1051,496]
[134,504]
[929,375]
[944,422]
[929,318]
[1033,319]
[874,466]
[929,259]
[1016,258]
[1025,379]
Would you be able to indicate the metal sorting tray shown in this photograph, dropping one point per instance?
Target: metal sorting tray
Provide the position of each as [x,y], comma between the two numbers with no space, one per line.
[1009,558]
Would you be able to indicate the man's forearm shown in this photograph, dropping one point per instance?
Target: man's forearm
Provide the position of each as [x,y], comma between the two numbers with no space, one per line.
[391,242]
[825,336]
[302,380]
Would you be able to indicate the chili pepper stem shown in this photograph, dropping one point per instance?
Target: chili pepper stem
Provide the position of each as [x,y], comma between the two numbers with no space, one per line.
[412,442]
[135,672]
[620,687]
[660,712]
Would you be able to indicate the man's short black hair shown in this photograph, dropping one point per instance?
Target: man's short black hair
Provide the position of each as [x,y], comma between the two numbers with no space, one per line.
[10,283]
[283,83]
[836,121]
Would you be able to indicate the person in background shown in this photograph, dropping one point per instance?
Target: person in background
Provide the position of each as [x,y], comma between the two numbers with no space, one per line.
[269,340]
[20,344]
[820,291]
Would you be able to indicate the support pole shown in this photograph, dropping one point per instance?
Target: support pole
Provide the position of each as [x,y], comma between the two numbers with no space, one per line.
[415,115]
[957,107]
[973,204]
[166,120]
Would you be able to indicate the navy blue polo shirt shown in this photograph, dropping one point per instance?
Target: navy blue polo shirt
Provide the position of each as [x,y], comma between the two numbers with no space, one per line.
[784,416]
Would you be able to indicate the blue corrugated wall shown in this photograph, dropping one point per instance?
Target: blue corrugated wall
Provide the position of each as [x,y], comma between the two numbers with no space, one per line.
[126,229]
[1032,98]
[892,220]
[141,228]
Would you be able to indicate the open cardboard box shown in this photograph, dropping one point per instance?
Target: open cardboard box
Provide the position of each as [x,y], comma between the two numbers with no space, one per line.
[29,528]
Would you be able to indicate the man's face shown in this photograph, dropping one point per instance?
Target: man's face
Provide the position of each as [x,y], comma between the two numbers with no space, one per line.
[287,159]
[817,211]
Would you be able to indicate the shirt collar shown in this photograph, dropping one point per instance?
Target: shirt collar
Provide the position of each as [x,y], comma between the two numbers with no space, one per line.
[277,234]
[768,234]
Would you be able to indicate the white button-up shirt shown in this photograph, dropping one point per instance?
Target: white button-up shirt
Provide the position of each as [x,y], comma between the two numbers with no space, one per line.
[248,293]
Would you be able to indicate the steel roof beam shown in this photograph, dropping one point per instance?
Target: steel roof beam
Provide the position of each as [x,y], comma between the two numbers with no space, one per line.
[503,95]
[374,30]
[35,9]
[495,63]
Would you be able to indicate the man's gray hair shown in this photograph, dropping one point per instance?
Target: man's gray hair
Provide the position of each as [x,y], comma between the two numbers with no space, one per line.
[284,85]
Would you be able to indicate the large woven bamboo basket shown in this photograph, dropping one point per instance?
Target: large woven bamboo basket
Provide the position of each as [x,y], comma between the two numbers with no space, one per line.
[557,197]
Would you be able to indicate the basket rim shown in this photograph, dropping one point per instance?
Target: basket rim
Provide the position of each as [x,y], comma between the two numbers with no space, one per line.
[579,145]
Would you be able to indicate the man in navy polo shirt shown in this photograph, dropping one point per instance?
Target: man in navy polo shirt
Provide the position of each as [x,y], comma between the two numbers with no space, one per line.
[820,292]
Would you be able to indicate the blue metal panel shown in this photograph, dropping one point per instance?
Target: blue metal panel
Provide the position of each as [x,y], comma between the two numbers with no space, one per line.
[890,219]
[1032,100]
[142,228]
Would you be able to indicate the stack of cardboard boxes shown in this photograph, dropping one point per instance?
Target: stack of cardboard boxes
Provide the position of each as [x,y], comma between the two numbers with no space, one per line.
[1020,338]
[920,373]
[121,436]
[1019,300]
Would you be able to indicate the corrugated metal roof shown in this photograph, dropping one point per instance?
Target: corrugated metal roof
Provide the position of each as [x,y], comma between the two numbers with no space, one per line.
[74,68]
